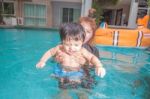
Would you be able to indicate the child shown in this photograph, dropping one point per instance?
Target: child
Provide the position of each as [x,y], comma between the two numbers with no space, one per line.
[72,37]
[90,27]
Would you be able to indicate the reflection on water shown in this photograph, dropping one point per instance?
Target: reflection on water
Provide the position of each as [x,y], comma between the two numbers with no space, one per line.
[132,65]
[124,59]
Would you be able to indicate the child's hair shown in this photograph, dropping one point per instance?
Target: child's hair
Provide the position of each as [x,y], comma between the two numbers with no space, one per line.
[92,24]
[72,31]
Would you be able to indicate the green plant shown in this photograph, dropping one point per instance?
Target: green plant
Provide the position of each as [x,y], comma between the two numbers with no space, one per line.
[148,3]
[98,4]
[1,11]
[98,13]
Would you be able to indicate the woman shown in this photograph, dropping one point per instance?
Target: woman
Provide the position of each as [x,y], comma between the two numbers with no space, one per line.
[90,27]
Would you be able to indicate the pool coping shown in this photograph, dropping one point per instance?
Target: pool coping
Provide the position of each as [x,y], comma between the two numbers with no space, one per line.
[26,27]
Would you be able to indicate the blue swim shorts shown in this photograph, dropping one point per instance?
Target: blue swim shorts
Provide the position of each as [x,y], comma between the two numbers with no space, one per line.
[59,72]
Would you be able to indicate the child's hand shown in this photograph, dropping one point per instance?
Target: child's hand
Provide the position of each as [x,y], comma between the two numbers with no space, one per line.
[40,64]
[100,71]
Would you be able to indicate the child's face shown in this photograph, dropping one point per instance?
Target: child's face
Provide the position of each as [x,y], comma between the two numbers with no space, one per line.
[88,31]
[72,46]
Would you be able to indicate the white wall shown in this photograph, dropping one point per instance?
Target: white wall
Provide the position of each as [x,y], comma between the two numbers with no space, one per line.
[86,5]
[77,1]
[57,11]
[133,14]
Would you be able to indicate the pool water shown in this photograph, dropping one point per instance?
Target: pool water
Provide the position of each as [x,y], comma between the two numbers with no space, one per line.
[128,69]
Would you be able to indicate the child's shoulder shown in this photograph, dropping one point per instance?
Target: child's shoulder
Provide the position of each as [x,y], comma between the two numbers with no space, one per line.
[84,50]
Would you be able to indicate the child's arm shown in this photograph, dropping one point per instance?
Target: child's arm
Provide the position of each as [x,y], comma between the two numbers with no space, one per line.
[99,69]
[46,56]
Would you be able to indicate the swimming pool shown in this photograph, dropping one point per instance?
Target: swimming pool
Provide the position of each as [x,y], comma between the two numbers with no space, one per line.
[128,69]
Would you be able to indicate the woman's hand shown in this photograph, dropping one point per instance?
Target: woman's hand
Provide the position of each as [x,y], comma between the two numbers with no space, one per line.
[79,59]
[59,57]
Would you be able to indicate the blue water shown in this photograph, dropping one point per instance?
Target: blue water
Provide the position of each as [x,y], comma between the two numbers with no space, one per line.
[128,69]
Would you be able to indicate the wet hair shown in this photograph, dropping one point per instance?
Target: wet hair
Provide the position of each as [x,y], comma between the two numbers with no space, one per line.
[92,24]
[71,31]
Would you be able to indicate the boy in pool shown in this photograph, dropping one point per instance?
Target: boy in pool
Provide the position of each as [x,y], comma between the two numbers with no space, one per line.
[72,37]
[90,27]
